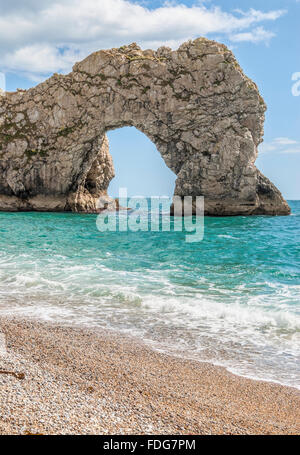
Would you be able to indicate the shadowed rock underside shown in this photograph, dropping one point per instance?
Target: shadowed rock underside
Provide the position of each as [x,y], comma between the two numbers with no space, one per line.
[196,105]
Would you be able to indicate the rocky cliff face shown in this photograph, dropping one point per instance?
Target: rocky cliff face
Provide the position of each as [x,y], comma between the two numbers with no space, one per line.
[202,113]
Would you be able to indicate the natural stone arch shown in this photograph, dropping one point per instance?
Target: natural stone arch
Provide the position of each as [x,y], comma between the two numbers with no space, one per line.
[195,104]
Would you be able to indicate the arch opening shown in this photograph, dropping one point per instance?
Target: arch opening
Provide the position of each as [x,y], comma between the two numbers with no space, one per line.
[138,165]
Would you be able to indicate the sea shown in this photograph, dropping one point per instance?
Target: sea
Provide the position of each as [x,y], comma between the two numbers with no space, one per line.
[232,299]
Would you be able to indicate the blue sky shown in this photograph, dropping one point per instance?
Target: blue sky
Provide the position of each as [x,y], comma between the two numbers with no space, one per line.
[39,38]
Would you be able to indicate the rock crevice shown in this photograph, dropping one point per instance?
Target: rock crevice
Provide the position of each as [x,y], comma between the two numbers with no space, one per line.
[203,114]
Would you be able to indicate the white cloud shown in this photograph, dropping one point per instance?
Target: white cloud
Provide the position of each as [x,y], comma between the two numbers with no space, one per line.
[42,37]
[284,141]
[38,57]
[280,145]
[256,36]
[292,150]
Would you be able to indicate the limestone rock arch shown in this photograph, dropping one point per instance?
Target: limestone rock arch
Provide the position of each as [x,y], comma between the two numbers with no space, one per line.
[197,106]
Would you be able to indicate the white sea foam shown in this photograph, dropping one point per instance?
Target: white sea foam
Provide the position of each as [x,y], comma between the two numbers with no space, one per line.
[171,316]
[225,236]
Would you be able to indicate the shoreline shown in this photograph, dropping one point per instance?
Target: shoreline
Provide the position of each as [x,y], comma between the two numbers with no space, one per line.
[231,370]
[95,381]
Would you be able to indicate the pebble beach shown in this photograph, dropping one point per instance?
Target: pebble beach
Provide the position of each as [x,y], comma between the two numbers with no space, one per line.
[64,380]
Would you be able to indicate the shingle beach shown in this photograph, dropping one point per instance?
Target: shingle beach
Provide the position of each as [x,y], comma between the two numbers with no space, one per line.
[63,380]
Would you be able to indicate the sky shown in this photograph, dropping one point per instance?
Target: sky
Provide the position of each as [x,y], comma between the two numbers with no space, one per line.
[38,38]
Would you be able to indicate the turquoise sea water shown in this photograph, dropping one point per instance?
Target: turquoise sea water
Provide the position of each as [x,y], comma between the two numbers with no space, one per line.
[232,299]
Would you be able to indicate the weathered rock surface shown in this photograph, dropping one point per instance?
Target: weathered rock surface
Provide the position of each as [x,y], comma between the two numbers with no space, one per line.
[202,113]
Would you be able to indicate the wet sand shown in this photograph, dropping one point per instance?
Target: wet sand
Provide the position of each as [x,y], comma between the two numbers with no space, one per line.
[63,380]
